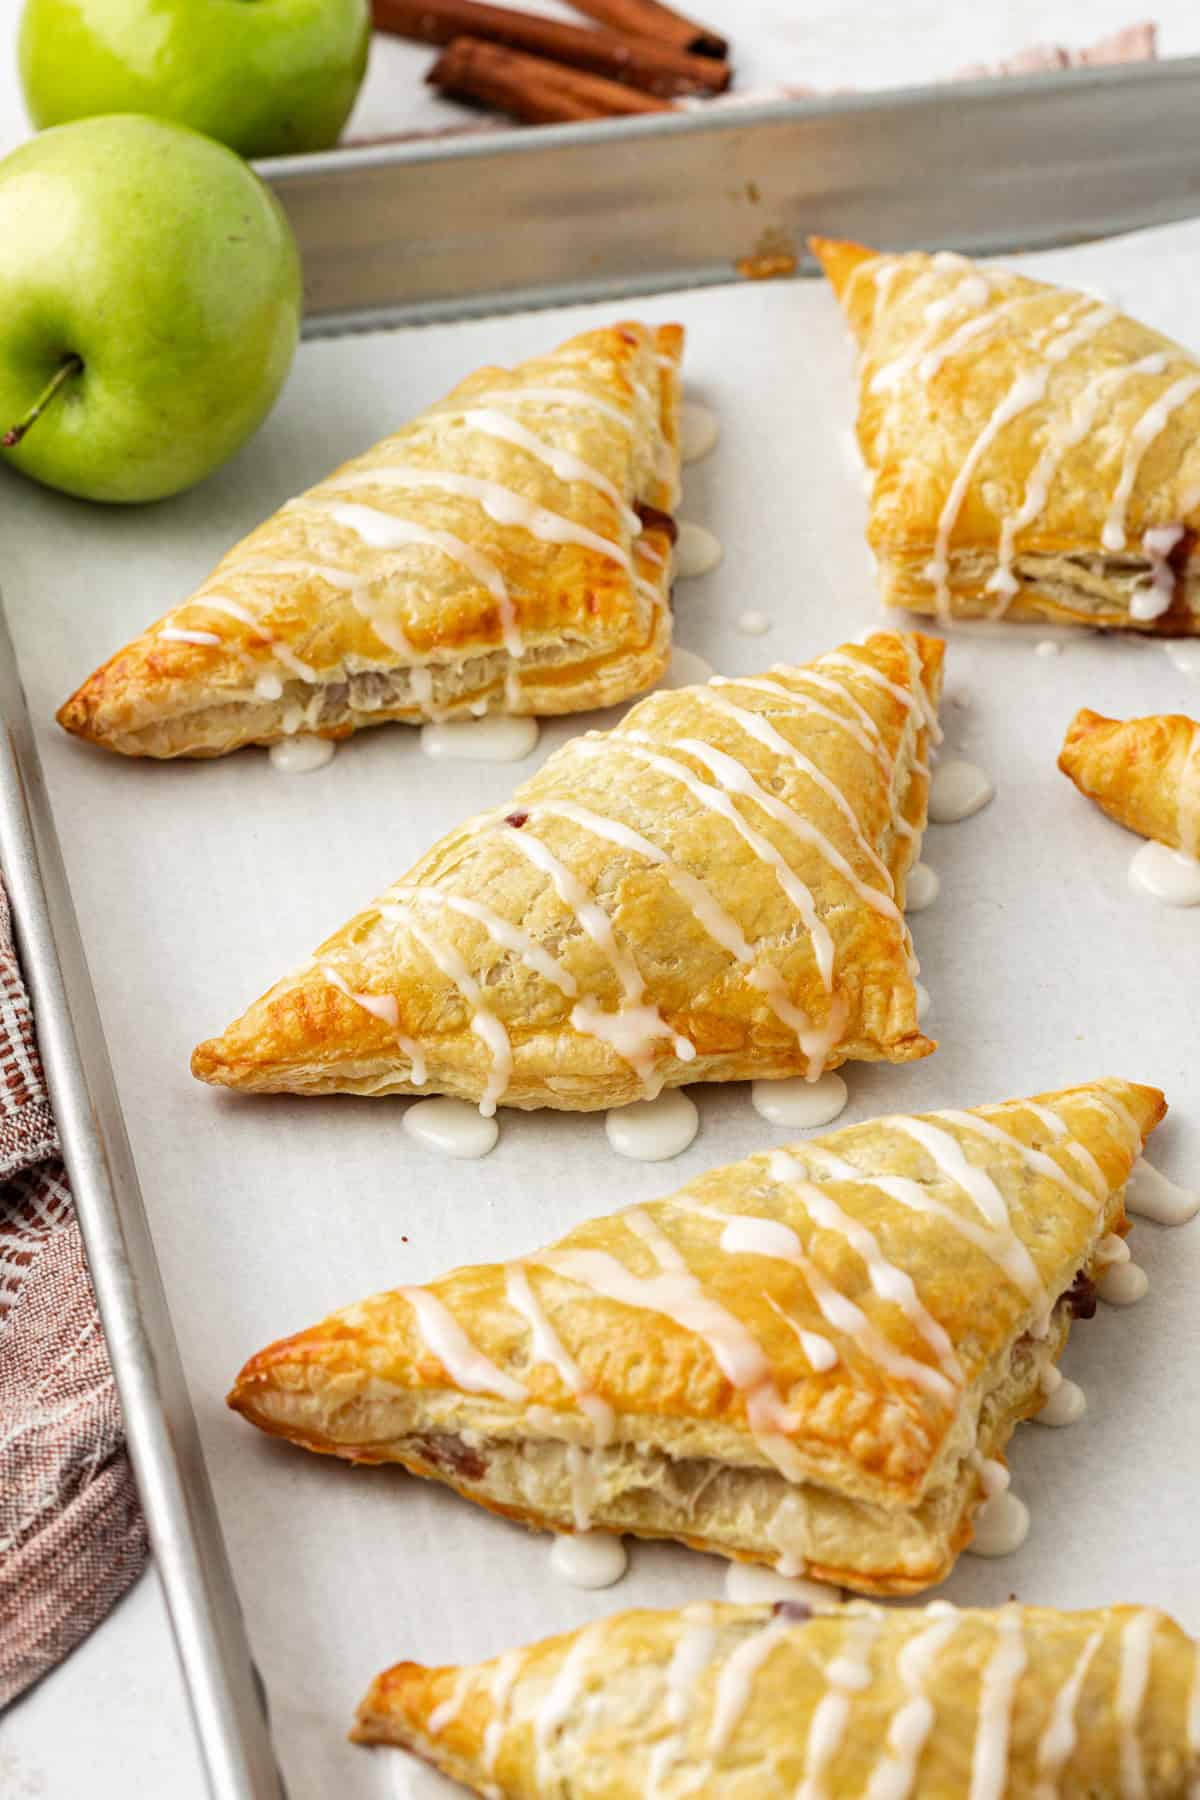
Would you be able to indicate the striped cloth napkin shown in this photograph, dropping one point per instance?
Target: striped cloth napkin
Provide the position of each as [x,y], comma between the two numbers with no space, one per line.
[72,1538]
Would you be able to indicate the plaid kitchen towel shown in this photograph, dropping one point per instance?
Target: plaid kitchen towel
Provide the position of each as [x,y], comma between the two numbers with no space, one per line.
[72,1538]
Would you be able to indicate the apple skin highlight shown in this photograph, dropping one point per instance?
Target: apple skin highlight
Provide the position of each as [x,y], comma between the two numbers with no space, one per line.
[161,261]
[265,77]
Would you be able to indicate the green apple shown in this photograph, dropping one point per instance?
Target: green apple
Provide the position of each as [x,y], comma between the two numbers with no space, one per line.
[149,306]
[266,77]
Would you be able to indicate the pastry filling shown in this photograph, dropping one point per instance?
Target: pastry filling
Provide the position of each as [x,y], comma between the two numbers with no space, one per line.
[1151,592]
[750,1511]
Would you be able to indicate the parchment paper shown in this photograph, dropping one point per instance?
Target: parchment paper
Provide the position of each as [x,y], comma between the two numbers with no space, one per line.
[198,884]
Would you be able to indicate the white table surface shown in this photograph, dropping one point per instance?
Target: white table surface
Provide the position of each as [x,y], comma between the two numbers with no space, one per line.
[113,1720]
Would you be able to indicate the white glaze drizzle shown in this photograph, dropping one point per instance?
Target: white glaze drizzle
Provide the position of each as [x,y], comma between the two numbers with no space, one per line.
[589,1559]
[802,1103]
[508,1668]
[564,1691]
[1000,1526]
[674,1291]
[301,755]
[503,505]
[1165,874]
[510,937]
[1001,1247]
[1002,1672]
[387,1008]
[1102,1099]
[958,790]
[564,396]
[744,1234]
[952,1163]
[848,1674]
[1027,390]
[1152,423]
[549,1348]
[695,893]
[384,531]
[632,1029]
[563,463]
[1066,1405]
[653,1130]
[765,733]
[452,1127]
[175,634]
[862,727]
[750,1584]
[219,603]
[914,700]
[448,1711]
[893,1776]
[736,1681]
[922,888]
[484,1022]
[1137,1645]
[1036,1160]
[717,800]
[697,550]
[686,669]
[464,1362]
[1123,1284]
[735,779]
[692,1654]
[1061,1735]
[1153,601]
[890,1283]
[1149,1194]
[821,1353]
[698,431]
[965,293]
[496,739]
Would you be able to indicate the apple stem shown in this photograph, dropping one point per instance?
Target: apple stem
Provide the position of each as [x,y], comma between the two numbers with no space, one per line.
[72,365]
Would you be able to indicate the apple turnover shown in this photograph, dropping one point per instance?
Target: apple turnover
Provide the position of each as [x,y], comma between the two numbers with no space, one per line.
[508,551]
[1035,452]
[1144,773]
[811,1359]
[712,891]
[792,1703]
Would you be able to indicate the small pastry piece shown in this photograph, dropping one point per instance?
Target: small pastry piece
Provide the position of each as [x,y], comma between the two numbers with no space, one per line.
[807,1359]
[784,1703]
[1035,452]
[712,891]
[1144,773]
[509,551]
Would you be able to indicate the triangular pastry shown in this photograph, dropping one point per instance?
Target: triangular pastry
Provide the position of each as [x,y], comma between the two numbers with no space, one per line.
[1035,452]
[1145,773]
[789,1703]
[812,1358]
[711,891]
[508,551]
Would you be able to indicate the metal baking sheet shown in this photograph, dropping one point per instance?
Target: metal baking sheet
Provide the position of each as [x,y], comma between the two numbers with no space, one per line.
[196,884]
[577,212]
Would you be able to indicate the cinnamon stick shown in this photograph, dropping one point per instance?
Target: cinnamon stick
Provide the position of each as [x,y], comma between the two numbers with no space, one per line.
[654,67]
[532,88]
[651,19]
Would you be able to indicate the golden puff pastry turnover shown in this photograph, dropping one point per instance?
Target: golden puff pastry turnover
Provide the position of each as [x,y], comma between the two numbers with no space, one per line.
[711,891]
[509,551]
[1035,452]
[1144,773]
[810,1359]
[792,1703]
